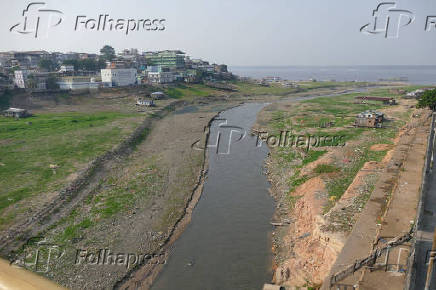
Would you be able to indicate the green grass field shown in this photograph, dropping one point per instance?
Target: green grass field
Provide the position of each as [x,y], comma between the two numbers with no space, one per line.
[68,140]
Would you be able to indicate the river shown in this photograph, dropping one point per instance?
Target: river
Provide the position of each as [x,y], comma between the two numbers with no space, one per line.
[227,244]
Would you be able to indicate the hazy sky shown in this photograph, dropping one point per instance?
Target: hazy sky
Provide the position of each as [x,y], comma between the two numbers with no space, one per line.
[238,32]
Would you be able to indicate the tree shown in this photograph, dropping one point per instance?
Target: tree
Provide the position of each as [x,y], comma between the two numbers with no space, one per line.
[88,64]
[31,82]
[108,52]
[47,64]
[51,83]
[428,99]
[101,63]
[73,62]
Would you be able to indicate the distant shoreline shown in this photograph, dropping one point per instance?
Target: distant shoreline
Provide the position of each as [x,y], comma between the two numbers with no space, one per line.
[422,75]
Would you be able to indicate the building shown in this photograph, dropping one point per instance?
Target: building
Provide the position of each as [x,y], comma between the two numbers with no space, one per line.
[119,77]
[78,83]
[21,78]
[221,68]
[131,51]
[30,59]
[415,94]
[66,68]
[16,113]
[157,95]
[83,56]
[145,102]
[174,59]
[160,77]
[154,68]
[386,101]
[369,119]
[27,79]
[5,83]
[197,63]
[118,63]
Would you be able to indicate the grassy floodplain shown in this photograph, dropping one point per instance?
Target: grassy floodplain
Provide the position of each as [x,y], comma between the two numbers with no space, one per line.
[39,153]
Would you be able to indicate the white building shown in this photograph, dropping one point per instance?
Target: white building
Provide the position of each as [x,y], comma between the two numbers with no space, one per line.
[21,78]
[78,83]
[66,68]
[145,102]
[160,77]
[119,77]
[157,95]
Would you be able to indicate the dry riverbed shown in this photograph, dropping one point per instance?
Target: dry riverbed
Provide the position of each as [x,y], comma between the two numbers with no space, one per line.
[133,204]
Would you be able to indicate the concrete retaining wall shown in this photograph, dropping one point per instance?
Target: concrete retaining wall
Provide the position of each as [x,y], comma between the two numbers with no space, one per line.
[411,274]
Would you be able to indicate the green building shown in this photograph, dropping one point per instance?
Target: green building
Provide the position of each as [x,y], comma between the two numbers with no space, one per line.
[168,58]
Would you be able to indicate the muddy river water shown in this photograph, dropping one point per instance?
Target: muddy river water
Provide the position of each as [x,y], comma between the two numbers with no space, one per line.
[227,245]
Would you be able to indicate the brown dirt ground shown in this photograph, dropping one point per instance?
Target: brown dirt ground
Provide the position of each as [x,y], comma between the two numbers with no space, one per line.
[307,249]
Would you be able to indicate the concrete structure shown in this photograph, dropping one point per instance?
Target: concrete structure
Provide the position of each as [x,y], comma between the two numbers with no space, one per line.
[425,235]
[154,68]
[21,78]
[78,83]
[145,102]
[66,68]
[157,95]
[16,113]
[27,79]
[30,59]
[369,119]
[119,77]
[196,63]
[168,58]
[160,77]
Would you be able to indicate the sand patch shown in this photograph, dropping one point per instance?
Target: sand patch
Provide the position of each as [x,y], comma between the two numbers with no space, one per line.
[380,147]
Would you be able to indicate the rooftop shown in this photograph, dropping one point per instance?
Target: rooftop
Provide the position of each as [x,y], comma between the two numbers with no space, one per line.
[15,110]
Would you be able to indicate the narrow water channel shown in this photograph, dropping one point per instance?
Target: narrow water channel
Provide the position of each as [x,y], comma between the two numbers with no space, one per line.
[227,244]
